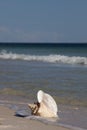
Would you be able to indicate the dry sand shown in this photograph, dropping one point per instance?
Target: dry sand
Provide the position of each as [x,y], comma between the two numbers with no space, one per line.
[8,121]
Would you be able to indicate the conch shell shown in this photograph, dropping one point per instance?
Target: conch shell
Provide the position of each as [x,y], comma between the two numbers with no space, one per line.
[45,105]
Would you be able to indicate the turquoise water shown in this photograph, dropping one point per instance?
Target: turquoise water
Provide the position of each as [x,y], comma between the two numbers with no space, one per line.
[60,70]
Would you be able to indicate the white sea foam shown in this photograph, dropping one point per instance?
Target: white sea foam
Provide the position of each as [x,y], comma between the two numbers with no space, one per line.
[44,58]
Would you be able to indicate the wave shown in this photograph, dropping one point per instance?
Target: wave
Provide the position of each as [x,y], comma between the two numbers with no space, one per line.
[44,58]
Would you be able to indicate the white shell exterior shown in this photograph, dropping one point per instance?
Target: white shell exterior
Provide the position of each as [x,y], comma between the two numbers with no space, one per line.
[47,101]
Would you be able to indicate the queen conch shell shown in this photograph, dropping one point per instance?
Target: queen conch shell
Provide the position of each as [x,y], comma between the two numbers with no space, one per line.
[45,107]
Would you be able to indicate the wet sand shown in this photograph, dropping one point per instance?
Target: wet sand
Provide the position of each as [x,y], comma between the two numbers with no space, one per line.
[8,121]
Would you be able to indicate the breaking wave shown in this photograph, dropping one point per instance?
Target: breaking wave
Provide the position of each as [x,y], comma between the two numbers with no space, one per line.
[44,58]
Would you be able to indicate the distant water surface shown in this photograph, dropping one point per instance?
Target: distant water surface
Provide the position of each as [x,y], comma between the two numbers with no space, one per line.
[60,70]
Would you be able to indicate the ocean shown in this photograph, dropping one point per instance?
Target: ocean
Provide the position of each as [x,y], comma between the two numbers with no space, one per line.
[57,69]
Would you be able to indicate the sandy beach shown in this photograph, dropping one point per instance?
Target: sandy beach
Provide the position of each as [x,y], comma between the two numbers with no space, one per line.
[8,121]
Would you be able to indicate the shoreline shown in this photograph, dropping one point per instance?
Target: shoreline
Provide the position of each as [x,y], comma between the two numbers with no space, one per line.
[9,107]
[9,121]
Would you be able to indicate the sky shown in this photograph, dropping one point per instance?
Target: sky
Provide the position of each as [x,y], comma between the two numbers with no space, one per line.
[43,21]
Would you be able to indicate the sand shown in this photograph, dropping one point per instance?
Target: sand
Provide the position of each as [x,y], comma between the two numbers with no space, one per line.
[8,121]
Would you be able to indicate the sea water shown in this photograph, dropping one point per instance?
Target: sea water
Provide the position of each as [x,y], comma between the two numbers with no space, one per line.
[57,69]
